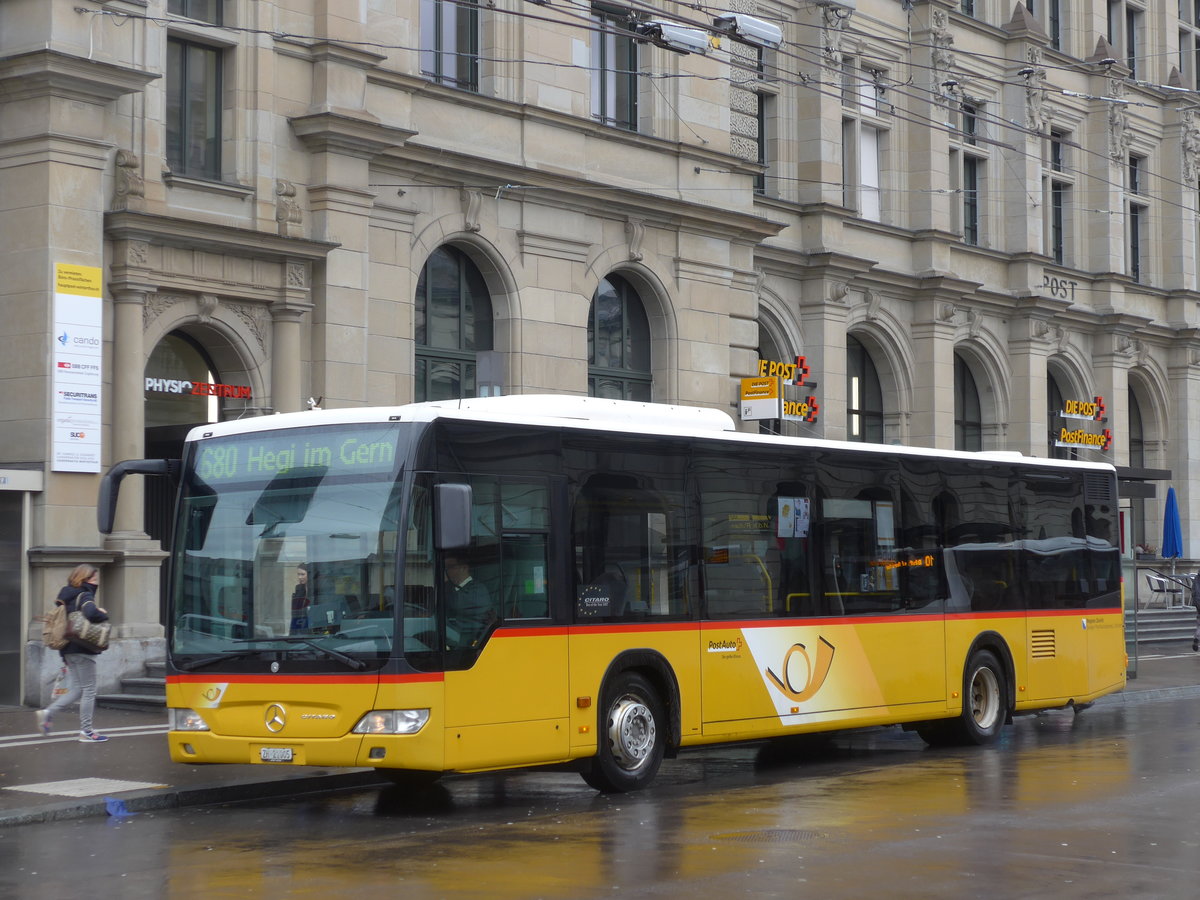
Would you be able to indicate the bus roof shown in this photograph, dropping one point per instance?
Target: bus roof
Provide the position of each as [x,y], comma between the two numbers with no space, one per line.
[595,414]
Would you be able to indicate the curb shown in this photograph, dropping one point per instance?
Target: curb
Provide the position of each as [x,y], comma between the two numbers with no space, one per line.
[174,798]
[1126,697]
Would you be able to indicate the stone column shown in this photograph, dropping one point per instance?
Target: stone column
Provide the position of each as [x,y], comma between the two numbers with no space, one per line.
[933,331]
[128,405]
[130,590]
[287,381]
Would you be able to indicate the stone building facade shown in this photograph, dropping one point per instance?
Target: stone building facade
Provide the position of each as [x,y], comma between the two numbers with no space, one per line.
[965,216]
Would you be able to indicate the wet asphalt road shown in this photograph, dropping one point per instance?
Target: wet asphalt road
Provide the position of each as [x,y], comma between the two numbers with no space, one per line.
[1097,805]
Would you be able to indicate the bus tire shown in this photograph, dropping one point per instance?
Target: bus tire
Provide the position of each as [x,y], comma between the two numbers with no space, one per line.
[984,693]
[632,736]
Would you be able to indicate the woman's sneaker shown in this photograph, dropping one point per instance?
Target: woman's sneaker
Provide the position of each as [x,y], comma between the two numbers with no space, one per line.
[91,737]
[44,722]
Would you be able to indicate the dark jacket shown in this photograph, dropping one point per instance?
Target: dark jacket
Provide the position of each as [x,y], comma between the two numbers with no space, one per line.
[82,598]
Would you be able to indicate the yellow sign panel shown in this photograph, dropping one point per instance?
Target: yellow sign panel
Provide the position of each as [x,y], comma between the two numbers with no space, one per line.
[761,398]
[83,281]
[760,388]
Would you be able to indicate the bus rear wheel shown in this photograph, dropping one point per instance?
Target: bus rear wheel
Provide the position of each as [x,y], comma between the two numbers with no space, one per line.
[631,740]
[983,712]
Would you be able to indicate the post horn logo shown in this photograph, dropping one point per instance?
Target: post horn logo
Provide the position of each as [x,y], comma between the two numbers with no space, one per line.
[816,671]
[275,718]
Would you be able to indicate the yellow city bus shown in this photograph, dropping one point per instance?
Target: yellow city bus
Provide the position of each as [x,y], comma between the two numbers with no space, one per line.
[538,580]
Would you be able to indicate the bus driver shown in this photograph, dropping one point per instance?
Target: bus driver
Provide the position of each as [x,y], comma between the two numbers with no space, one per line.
[468,604]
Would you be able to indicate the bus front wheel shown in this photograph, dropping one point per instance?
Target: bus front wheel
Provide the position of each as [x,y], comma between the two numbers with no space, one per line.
[631,739]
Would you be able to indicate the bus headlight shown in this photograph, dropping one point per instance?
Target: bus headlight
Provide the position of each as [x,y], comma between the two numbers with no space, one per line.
[185,720]
[392,721]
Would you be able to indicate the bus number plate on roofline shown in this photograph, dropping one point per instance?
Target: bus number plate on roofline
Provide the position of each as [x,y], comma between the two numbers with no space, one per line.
[275,754]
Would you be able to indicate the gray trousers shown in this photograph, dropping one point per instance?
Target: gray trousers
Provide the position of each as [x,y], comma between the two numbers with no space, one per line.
[82,669]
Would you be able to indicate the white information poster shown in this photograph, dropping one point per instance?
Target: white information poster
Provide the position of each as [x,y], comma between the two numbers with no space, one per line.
[78,358]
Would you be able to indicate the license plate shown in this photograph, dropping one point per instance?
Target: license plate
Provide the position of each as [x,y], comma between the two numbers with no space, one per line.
[275,754]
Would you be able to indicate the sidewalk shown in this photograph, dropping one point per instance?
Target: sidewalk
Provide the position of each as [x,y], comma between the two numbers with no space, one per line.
[45,779]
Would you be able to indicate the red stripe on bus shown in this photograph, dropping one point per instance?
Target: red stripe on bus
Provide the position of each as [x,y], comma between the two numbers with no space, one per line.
[632,627]
[544,631]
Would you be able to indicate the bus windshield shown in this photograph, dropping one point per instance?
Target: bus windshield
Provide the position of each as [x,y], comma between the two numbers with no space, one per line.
[286,548]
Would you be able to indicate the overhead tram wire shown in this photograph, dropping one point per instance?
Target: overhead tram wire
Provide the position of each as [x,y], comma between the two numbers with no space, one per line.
[588,24]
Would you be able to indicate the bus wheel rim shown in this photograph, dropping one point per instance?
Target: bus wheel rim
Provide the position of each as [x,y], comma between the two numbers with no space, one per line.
[985,697]
[631,733]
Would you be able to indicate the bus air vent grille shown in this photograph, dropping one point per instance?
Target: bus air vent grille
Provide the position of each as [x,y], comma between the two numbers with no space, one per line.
[1097,488]
[1042,644]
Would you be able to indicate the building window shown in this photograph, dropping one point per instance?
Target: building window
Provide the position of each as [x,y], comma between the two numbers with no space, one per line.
[970,191]
[864,134]
[453,322]
[1048,14]
[1054,410]
[1137,214]
[618,343]
[193,116]
[968,420]
[450,43]
[1057,184]
[614,69]
[1189,43]
[200,10]
[864,395]
[968,167]
[967,7]
[1125,31]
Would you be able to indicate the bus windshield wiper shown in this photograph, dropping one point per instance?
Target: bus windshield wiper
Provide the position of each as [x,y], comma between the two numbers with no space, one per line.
[220,657]
[308,642]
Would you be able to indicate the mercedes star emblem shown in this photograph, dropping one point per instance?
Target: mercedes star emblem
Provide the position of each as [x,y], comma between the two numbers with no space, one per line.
[276,718]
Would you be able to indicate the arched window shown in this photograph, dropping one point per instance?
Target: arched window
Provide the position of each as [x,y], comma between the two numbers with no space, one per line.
[864,396]
[1137,435]
[768,348]
[968,421]
[618,343]
[1054,408]
[1137,459]
[453,323]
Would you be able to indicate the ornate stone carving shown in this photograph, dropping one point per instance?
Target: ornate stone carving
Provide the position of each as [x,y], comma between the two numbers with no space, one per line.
[156,305]
[942,41]
[256,320]
[287,210]
[297,275]
[1189,137]
[874,303]
[1119,137]
[137,253]
[207,304]
[635,231]
[835,20]
[1036,115]
[130,187]
[974,323]
[471,200]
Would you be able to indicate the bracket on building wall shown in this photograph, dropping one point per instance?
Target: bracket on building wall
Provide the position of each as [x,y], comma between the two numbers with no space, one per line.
[635,231]
[472,200]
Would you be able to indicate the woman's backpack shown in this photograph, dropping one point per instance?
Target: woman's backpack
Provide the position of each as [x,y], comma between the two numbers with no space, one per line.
[54,627]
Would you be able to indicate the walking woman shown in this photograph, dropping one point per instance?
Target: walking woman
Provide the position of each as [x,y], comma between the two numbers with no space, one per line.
[79,594]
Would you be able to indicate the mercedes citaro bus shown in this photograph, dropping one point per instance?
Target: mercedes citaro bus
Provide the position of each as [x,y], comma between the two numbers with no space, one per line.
[552,580]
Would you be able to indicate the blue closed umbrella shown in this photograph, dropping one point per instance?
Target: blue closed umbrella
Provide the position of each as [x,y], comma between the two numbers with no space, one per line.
[1172,542]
